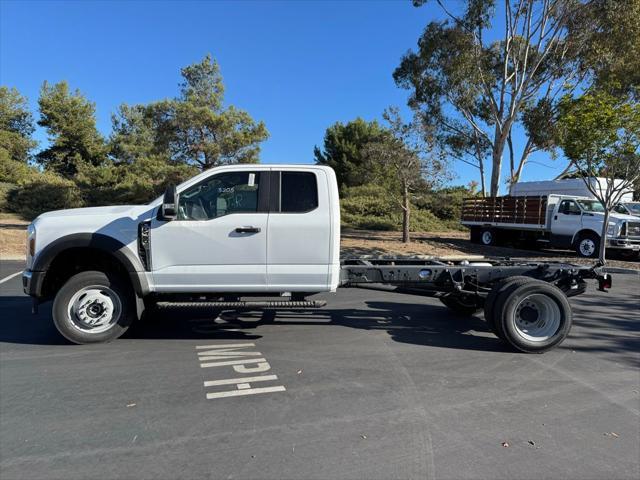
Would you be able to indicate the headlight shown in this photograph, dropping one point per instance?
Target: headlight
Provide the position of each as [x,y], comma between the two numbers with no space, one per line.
[614,229]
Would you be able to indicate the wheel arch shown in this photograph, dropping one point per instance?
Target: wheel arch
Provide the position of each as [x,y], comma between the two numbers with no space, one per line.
[580,233]
[87,250]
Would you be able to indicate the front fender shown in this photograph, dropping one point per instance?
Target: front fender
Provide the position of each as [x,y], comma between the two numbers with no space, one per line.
[118,250]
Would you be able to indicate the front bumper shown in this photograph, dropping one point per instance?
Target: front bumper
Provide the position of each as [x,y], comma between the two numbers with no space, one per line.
[624,243]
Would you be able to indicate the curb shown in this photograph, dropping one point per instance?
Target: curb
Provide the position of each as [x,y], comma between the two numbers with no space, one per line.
[621,270]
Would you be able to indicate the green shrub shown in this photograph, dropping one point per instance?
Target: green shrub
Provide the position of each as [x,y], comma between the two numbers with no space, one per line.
[137,183]
[5,189]
[14,172]
[42,193]
[445,203]
[370,207]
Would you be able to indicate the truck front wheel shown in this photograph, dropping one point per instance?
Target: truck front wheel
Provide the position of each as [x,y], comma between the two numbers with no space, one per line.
[534,317]
[92,307]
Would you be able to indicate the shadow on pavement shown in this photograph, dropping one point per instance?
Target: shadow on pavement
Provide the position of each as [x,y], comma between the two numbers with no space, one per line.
[609,325]
[617,335]
[417,324]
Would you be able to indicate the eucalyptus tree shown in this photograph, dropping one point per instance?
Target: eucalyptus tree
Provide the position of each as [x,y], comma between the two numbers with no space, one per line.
[475,89]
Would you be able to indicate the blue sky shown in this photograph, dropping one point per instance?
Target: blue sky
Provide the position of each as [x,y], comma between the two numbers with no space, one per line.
[297,65]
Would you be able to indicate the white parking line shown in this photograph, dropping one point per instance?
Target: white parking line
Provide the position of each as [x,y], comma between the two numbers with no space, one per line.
[240,381]
[251,391]
[6,279]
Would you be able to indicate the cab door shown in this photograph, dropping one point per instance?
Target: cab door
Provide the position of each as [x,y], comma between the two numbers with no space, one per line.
[299,236]
[566,221]
[218,242]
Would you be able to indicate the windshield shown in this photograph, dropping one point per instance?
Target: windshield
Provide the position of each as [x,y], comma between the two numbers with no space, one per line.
[633,207]
[591,206]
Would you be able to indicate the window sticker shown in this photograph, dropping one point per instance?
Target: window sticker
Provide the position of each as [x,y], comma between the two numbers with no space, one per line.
[252,179]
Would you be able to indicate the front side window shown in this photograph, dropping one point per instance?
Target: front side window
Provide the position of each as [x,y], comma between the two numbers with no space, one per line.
[298,192]
[569,207]
[219,195]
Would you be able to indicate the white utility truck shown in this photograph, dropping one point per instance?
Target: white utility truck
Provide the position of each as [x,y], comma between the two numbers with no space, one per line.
[558,221]
[236,233]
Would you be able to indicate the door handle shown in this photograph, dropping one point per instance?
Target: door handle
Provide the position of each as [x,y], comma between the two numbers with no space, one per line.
[248,230]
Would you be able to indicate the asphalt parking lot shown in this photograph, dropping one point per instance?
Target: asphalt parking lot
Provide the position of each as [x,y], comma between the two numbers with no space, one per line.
[375,385]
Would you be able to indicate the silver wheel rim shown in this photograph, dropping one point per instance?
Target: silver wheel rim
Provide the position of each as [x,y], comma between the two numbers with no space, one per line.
[587,247]
[487,238]
[94,309]
[537,318]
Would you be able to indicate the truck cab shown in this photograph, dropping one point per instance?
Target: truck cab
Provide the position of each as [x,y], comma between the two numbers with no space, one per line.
[240,229]
[577,222]
[628,208]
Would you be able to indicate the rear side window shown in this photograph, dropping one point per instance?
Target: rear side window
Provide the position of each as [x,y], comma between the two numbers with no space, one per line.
[299,192]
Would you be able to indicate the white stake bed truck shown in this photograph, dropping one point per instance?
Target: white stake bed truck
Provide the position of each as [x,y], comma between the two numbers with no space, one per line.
[235,233]
[559,221]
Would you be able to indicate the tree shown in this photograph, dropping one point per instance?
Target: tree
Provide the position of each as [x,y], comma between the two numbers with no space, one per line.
[475,91]
[611,34]
[71,125]
[408,161]
[343,150]
[198,130]
[16,126]
[134,136]
[600,134]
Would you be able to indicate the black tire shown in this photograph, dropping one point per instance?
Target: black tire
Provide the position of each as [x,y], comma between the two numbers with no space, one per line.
[463,305]
[492,299]
[72,317]
[588,245]
[546,327]
[488,236]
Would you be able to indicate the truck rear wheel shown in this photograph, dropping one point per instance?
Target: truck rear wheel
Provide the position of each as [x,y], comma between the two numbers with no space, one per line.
[92,307]
[493,297]
[464,305]
[534,317]
[588,245]
[488,236]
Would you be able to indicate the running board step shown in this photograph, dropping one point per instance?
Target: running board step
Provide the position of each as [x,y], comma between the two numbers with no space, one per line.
[247,304]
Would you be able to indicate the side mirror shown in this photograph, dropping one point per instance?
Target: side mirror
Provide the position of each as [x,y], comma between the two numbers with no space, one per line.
[169,207]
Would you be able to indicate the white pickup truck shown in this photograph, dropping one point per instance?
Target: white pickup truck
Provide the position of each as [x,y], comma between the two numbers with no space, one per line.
[558,221]
[232,234]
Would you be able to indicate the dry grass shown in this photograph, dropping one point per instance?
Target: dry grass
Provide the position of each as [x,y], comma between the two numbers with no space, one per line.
[13,236]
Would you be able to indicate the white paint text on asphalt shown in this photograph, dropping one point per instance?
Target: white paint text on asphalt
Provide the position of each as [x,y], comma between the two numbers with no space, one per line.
[241,361]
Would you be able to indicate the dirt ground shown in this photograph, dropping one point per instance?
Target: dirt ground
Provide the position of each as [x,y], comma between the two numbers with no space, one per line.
[13,237]
[358,243]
